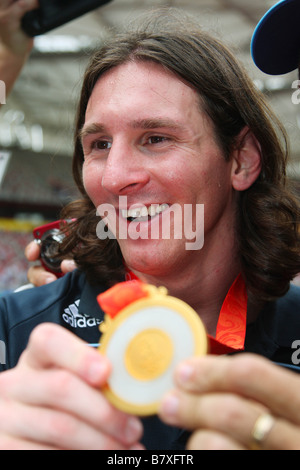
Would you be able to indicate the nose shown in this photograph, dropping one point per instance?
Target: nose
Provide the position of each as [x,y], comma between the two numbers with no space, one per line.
[125,170]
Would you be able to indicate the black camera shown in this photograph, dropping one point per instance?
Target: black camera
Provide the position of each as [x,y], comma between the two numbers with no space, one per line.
[49,236]
[51,14]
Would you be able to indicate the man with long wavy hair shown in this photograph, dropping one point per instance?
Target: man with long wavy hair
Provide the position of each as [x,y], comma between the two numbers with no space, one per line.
[167,118]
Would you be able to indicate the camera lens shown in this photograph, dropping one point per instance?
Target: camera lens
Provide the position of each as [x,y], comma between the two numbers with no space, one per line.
[49,248]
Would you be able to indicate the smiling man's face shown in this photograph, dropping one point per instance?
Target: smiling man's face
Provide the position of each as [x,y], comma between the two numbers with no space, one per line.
[148,148]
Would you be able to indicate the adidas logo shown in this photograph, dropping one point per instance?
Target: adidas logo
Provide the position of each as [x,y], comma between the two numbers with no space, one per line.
[78,320]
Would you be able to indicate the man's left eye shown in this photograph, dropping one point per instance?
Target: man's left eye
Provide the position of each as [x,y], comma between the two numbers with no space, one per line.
[156,139]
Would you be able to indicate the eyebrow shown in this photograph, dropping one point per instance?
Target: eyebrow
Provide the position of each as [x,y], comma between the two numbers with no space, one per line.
[152,123]
[90,129]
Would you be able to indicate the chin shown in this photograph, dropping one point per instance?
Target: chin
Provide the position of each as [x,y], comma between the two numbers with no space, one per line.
[154,266]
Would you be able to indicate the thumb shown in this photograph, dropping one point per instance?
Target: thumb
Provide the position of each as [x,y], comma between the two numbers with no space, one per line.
[22,6]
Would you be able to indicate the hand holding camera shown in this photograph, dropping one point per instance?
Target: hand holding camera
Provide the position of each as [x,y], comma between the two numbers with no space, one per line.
[48,238]
[44,274]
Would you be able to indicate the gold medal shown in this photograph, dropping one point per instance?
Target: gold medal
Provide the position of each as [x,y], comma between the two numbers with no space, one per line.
[144,341]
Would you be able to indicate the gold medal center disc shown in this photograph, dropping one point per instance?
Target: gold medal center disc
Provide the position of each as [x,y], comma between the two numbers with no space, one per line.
[148,354]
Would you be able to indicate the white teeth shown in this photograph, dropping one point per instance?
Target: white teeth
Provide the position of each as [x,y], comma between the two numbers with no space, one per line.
[144,212]
[151,210]
[140,212]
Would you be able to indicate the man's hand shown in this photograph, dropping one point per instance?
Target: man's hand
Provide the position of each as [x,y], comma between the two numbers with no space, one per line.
[15,45]
[37,275]
[220,399]
[52,399]
[11,35]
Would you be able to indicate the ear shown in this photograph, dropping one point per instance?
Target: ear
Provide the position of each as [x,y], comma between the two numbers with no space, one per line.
[246,161]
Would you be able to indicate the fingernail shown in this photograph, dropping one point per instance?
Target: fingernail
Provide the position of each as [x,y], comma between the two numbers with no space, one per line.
[50,279]
[170,404]
[137,446]
[133,429]
[68,265]
[185,372]
[95,371]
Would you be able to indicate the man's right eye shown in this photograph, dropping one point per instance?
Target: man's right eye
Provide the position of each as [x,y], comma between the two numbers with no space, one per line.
[101,144]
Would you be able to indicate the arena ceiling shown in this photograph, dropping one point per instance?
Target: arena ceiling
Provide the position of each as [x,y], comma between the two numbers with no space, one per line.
[38,115]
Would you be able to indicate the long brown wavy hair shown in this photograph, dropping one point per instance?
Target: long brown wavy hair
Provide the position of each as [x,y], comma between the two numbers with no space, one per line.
[268,214]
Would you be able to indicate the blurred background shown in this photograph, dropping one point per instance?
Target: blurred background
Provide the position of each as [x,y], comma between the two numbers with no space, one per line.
[36,122]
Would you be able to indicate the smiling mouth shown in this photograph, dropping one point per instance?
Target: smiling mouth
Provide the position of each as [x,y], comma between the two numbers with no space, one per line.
[143,213]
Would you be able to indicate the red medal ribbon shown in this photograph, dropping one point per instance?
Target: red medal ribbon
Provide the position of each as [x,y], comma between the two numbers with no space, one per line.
[232,322]
[120,295]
